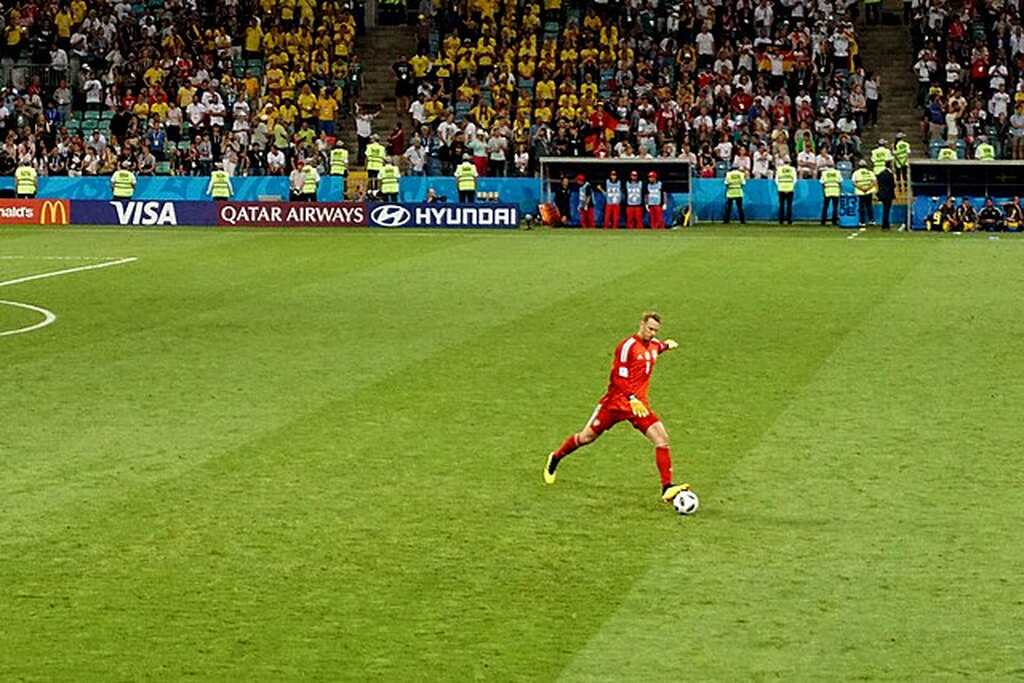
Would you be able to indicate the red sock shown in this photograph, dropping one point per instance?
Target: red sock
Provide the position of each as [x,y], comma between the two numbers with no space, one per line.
[664,461]
[567,447]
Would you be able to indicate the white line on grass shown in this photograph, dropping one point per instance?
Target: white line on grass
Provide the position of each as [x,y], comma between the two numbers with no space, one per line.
[49,317]
[12,257]
[55,273]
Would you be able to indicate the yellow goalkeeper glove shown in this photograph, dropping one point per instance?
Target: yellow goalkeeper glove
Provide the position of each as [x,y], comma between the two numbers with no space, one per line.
[638,407]
[671,344]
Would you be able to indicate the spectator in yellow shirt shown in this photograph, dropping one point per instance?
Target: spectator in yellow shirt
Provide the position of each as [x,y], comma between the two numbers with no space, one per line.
[253,40]
[327,108]
[307,102]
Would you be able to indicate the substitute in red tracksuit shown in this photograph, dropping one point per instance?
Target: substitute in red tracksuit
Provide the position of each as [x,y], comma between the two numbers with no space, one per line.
[655,202]
[612,200]
[634,202]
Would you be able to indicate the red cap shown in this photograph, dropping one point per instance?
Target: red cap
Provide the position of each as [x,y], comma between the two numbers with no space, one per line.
[580,178]
[653,174]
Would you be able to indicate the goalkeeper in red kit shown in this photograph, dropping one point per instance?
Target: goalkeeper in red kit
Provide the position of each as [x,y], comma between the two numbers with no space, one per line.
[626,400]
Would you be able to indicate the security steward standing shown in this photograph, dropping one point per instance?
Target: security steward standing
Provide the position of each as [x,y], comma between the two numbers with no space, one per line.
[785,181]
[311,183]
[832,186]
[26,181]
[864,187]
[465,180]
[220,184]
[734,182]
[375,155]
[122,182]
[901,158]
[389,175]
[886,192]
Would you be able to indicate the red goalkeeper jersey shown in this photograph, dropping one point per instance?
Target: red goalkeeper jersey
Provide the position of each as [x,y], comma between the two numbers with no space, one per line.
[631,371]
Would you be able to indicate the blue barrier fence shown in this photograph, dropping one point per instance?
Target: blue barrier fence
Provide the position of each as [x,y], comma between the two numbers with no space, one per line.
[708,194]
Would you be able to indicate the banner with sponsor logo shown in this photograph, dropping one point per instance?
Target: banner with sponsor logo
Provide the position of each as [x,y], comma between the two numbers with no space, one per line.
[443,215]
[134,212]
[34,212]
[292,214]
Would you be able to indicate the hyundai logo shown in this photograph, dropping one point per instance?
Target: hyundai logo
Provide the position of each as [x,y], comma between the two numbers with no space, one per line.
[390,216]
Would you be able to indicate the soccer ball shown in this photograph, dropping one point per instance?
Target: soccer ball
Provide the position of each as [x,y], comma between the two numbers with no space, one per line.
[686,502]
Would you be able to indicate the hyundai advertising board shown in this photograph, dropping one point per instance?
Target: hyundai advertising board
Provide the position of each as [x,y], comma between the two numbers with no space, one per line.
[442,215]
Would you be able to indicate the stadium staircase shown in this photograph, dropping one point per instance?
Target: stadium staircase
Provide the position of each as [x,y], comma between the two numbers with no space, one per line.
[886,50]
[377,51]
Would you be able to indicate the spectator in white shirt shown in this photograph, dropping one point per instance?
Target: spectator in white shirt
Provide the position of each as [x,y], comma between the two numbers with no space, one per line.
[806,164]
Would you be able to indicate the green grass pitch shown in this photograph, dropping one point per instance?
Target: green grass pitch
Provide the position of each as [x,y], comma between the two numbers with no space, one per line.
[316,455]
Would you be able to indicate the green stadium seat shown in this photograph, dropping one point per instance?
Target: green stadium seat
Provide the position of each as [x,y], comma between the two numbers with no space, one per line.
[184,144]
[106,115]
[92,116]
[76,115]
[163,168]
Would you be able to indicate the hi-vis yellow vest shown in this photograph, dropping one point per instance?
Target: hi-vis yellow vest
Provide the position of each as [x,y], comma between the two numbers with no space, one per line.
[375,154]
[879,155]
[339,161]
[785,178]
[832,182]
[863,182]
[734,180]
[124,184]
[902,153]
[220,185]
[389,179]
[465,176]
[25,180]
[312,180]
[946,154]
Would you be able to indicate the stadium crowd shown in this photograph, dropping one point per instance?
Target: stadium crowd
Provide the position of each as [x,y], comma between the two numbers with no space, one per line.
[747,85]
[968,62]
[162,87]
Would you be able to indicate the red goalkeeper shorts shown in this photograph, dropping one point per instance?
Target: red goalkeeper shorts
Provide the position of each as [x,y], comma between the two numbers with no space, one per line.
[604,418]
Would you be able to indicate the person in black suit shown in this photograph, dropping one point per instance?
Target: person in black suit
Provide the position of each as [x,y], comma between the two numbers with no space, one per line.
[886,192]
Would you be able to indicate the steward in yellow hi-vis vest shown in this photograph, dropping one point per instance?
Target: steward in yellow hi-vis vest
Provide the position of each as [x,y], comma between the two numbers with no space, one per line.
[465,180]
[26,181]
[734,182]
[389,175]
[864,186]
[880,155]
[984,151]
[901,157]
[831,187]
[311,182]
[339,160]
[785,181]
[122,183]
[220,184]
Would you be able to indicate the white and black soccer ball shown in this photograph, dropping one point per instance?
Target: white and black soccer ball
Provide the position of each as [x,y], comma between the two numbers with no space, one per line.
[686,502]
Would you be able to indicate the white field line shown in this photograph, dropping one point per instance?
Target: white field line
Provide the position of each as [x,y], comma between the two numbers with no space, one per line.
[57,258]
[48,318]
[66,271]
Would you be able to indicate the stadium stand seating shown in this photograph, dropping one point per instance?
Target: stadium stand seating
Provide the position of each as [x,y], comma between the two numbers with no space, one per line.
[967,61]
[174,89]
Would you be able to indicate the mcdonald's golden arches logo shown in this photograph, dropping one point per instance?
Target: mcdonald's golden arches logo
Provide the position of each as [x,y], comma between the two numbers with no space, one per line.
[54,212]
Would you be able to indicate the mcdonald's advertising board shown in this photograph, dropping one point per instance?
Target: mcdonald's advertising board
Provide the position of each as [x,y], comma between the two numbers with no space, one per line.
[35,211]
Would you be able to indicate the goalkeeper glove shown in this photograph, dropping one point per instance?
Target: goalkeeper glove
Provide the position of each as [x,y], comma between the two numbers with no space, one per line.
[638,407]
[671,344]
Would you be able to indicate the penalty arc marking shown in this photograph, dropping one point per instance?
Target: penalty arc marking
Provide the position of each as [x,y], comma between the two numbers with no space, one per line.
[49,317]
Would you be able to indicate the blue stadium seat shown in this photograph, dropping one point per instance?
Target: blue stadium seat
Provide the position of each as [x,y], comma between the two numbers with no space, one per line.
[933,148]
[961,149]
[845,168]
[721,168]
